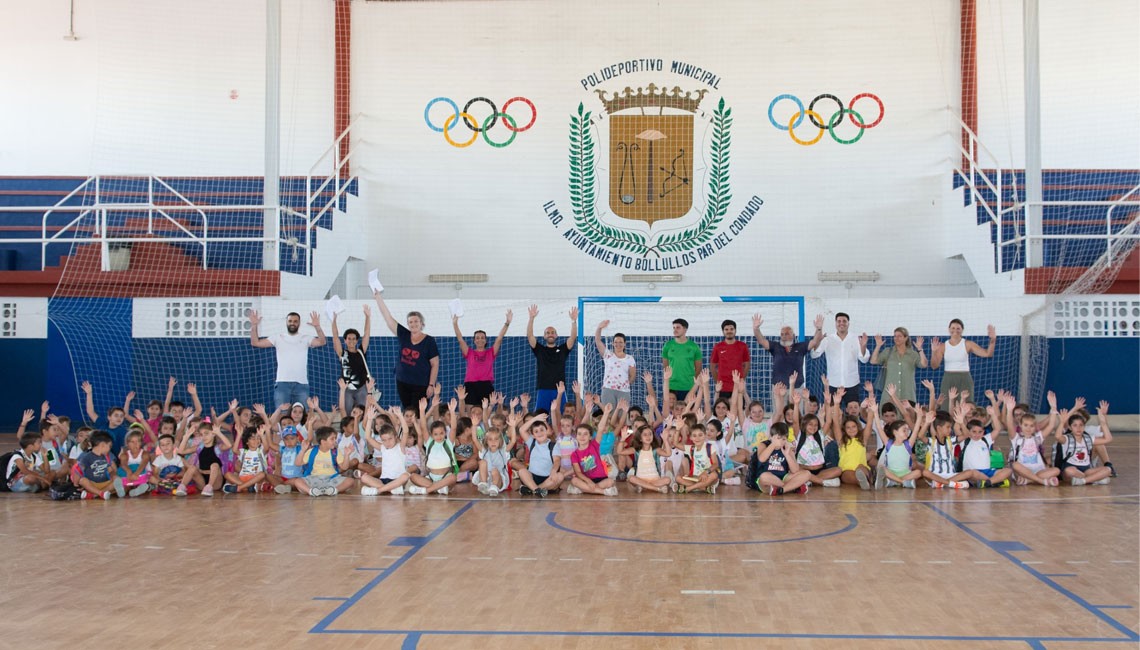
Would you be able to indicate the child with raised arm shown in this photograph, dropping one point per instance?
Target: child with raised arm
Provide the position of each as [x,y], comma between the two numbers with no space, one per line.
[852,443]
[648,452]
[541,472]
[974,450]
[776,466]
[168,472]
[116,417]
[701,469]
[494,458]
[251,466]
[390,448]
[1027,444]
[941,469]
[590,475]
[320,471]
[205,443]
[815,451]
[1077,447]
[898,442]
[439,456]
[289,448]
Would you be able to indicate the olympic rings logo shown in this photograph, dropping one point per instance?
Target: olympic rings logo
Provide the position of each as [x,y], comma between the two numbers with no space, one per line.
[817,120]
[452,121]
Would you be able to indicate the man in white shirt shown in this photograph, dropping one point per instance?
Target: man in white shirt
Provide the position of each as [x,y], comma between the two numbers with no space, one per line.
[292,355]
[844,354]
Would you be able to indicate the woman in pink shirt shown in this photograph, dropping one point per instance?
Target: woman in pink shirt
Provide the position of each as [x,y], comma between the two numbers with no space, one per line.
[479,379]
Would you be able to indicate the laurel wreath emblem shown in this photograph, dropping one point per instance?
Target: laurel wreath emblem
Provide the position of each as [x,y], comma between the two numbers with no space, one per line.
[583,199]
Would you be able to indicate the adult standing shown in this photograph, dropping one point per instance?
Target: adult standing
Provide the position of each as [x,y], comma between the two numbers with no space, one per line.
[620,368]
[899,363]
[956,352]
[728,356]
[418,365]
[479,377]
[353,364]
[550,358]
[844,354]
[683,356]
[788,354]
[292,349]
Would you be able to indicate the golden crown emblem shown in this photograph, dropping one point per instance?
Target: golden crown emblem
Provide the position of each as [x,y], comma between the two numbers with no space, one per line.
[649,97]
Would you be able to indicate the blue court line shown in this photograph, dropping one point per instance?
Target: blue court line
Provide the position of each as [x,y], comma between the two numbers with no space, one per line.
[323,624]
[329,598]
[852,522]
[997,547]
[370,568]
[410,642]
[1059,575]
[1035,644]
[1113,606]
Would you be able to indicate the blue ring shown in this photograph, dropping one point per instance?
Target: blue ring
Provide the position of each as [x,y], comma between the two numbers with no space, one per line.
[773,105]
[454,107]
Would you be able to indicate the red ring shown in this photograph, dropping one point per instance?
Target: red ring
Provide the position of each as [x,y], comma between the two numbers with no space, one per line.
[533,114]
[878,101]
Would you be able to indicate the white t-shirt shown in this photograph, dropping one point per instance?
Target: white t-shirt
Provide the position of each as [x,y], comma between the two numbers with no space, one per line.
[292,356]
[617,371]
[31,462]
[977,453]
[350,448]
[810,453]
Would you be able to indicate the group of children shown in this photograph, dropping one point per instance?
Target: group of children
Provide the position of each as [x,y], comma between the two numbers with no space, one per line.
[581,445]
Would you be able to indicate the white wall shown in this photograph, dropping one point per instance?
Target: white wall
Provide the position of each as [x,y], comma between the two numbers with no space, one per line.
[1089,61]
[146,88]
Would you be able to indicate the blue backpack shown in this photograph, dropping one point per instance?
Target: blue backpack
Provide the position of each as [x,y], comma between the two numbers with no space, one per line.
[308,468]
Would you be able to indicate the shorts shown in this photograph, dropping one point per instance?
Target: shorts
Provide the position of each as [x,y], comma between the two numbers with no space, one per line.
[960,380]
[386,481]
[437,477]
[780,475]
[242,478]
[611,396]
[815,472]
[598,480]
[988,472]
[23,484]
[410,394]
[1036,467]
[477,391]
[319,482]
[539,480]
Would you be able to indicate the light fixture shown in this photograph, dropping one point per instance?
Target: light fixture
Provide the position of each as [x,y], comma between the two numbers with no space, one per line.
[848,276]
[651,277]
[457,278]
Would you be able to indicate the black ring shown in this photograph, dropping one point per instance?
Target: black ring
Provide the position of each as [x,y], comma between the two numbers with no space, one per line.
[494,114]
[811,107]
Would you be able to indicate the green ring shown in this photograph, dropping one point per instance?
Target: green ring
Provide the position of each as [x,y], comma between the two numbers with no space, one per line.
[510,120]
[838,117]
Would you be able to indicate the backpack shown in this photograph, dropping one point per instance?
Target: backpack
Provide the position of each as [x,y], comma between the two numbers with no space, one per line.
[1061,452]
[637,455]
[446,447]
[4,460]
[308,468]
[829,460]
[754,472]
[709,449]
[962,453]
[64,491]
[550,445]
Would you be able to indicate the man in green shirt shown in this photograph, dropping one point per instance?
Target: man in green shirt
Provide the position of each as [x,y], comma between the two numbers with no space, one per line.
[684,357]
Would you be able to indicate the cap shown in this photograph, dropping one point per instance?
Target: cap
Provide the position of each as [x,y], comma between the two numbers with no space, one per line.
[289,431]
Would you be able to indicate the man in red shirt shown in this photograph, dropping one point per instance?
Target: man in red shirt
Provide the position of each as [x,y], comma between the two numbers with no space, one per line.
[727,356]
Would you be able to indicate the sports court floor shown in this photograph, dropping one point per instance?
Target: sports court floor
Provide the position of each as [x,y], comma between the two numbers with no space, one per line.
[1001,568]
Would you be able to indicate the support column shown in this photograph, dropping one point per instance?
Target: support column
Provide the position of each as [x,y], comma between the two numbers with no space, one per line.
[1033,194]
[272,184]
[342,108]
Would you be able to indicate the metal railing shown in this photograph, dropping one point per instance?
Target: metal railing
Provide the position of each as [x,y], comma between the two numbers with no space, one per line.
[340,186]
[998,210]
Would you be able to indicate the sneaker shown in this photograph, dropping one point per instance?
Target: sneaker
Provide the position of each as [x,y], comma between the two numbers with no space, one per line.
[623,475]
[935,485]
[208,491]
[542,492]
[355,473]
[573,489]
[492,490]
[284,488]
[107,495]
[680,489]
[180,491]
[482,487]
[1020,481]
[775,490]
[525,491]
[960,485]
[416,489]
[676,487]
[139,490]
[889,483]
[1052,482]
[313,492]
[1113,474]
[711,489]
[263,487]
[463,477]
[732,480]
[984,484]
[1104,481]
[881,478]
[397,491]
[229,489]
[664,489]
[831,482]
[1004,483]
[611,491]
[120,491]
[803,489]
[1078,480]
[908,484]
[442,490]
[369,491]
[861,476]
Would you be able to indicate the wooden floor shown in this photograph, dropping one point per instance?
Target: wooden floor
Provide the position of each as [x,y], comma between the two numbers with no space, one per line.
[1001,568]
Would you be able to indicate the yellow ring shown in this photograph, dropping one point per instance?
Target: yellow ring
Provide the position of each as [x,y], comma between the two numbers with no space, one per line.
[791,132]
[474,135]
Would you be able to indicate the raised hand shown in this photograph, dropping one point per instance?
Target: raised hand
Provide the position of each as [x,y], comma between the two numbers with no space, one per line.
[573,313]
[953,393]
[315,319]
[29,414]
[1102,408]
[667,373]
[935,344]
[879,340]
[533,311]
[423,405]
[509,316]
[514,404]
[793,377]
[863,340]
[367,312]
[314,403]
[757,321]
[869,387]
[171,383]
[991,331]
[254,317]
[234,404]
[928,385]
[603,325]
[461,392]
[719,386]
[892,390]
[818,322]
[342,383]
[192,388]
[918,341]
[1078,404]
[576,386]
[525,400]
[86,386]
[453,405]
[1051,397]
[647,377]
[623,404]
